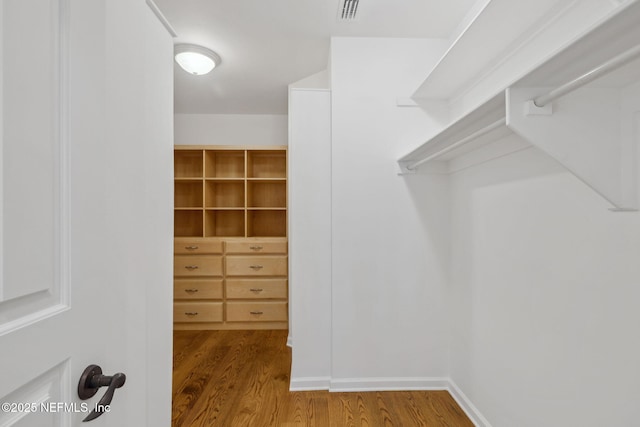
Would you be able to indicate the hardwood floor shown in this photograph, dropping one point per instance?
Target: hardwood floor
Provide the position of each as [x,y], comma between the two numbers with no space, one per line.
[241,378]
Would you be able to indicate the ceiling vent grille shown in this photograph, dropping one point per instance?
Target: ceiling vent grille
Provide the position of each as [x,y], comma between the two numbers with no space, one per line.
[348,10]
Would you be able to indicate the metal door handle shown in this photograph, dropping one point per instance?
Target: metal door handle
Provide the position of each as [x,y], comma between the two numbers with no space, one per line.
[255,267]
[91,380]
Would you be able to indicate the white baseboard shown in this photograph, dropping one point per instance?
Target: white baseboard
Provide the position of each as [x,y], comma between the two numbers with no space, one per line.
[388,384]
[289,341]
[467,406]
[309,383]
[393,384]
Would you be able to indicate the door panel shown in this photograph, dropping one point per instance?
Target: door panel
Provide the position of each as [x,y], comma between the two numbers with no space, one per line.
[31,98]
[33,256]
[41,395]
[86,209]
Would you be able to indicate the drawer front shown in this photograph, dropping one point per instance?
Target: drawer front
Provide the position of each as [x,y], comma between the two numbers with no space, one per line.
[197,265]
[197,289]
[256,311]
[197,312]
[257,247]
[256,288]
[256,265]
[197,246]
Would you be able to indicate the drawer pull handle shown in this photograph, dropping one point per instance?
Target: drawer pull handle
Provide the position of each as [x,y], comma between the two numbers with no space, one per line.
[256,289]
[191,313]
[191,291]
[255,248]
[191,267]
[256,312]
[191,248]
[255,267]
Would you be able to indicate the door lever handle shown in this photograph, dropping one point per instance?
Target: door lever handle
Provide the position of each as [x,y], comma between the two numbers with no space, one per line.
[91,380]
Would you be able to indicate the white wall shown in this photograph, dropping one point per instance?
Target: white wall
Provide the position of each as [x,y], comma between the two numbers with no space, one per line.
[545,292]
[318,80]
[310,237]
[511,277]
[389,238]
[230,129]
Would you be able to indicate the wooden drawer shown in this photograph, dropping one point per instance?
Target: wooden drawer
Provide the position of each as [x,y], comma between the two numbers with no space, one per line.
[256,311]
[197,265]
[257,247]
[197,312]
[267,265]
[197,289]
[256,288]
[197,246]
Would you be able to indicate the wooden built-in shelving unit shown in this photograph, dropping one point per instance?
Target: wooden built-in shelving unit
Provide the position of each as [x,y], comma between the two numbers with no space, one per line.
[230,264]
[226,192]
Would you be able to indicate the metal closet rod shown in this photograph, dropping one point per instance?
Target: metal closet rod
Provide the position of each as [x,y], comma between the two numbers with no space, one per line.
[457,144]
[599,71]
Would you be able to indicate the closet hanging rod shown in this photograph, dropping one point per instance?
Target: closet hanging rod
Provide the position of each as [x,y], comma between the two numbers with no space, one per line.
[610,65]
[463,141]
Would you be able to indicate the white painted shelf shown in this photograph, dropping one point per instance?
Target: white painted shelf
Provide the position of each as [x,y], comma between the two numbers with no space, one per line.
[594,131]
[487,36]
[481,126]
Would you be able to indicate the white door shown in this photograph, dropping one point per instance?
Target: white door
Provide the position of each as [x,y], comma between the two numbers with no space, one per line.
[85,215]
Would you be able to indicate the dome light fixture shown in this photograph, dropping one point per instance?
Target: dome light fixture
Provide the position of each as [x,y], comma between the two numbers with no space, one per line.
[196,60]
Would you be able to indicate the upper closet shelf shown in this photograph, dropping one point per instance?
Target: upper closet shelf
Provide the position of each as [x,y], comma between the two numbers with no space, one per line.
[582,107]
[485,38]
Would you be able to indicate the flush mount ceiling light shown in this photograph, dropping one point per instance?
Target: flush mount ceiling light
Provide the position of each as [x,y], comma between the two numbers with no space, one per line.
[196,59]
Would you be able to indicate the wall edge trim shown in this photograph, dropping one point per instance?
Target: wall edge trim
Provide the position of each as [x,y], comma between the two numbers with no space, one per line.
[389,384]
[467,406]
[393,384]
[309,383]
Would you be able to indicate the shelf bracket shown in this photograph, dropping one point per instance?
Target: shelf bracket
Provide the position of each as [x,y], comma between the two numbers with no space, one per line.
[404,169]
[531,109]
[594,133]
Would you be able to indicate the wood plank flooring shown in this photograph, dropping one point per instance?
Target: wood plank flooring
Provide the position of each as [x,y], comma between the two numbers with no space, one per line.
[241,378]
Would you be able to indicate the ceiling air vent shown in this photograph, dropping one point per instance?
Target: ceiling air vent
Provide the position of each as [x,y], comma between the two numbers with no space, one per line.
[348,10]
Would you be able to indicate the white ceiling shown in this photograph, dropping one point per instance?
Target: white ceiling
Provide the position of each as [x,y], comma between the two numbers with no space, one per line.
[267,44]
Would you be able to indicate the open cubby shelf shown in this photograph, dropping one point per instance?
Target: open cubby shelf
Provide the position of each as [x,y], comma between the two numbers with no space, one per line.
[227,223]
[228,194]
[188,164]
[267,223]
[267,194]
[188,223]
[224,164]
[267,164]
[230,191]
[188,194]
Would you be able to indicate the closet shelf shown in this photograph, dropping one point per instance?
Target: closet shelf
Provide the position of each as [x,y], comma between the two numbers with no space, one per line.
[483,125]
[590,120]
[482,41]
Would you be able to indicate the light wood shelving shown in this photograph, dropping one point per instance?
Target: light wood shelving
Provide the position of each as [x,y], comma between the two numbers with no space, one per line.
[230,192]
[230,266]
